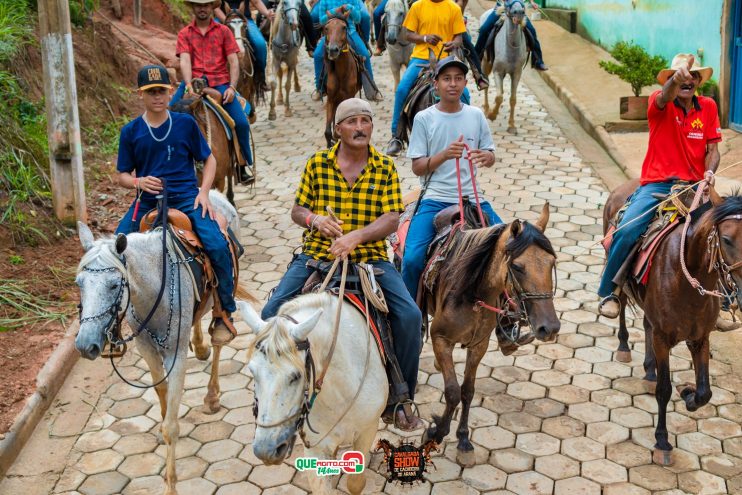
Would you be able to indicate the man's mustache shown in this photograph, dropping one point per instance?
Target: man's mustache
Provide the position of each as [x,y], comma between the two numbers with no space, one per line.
[359,134]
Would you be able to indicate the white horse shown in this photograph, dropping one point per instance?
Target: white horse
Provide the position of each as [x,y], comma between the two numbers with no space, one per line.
[285,43]
[399,48]
[125,271]
[354,392]
[511,53]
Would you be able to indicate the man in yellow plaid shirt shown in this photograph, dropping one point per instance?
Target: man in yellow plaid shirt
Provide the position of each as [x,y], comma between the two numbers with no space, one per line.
[362,188]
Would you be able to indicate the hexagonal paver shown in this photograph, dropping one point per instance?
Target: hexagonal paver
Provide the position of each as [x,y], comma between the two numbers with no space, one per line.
[604,471]
[625,489]
[587,412]
[724,465]
[544,408]
[493,437]
[136,444]
[701,483]
[219,430]
[530,483]
[511,460]
[591,381]
[719,428]
[607,433]
[445,470]
[484,477]
[700,444]
[574,486]
[103,483]
[519,422]
[99,462]
[97,440]
[583,449]
[141,465]
[563,427]
[653,477]
[557,466]
[631,417]
[537,444]
[526,390]
[219,450]
[550,378]
[228,471]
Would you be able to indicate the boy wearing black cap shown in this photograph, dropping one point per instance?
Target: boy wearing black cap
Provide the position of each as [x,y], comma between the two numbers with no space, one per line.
[438,138]
[162,145]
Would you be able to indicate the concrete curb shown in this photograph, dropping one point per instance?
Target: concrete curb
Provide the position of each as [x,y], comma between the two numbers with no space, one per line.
[48,382]
[585,118]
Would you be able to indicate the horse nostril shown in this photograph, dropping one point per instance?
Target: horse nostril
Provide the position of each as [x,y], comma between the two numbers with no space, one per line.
[92,350]
[281,450]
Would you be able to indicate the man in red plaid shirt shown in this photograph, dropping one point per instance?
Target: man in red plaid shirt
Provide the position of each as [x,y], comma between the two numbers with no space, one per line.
[208,49]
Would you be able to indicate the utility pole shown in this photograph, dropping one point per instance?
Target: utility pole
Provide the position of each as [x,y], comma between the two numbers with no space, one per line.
[63,121]
[137,13]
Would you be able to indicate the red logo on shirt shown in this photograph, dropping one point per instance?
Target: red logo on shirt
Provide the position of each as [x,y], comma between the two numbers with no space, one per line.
[697,124]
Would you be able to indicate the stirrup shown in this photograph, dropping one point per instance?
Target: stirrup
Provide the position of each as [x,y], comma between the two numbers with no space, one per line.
[607,299]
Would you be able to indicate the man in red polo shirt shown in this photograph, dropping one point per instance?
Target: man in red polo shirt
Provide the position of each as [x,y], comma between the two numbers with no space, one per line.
[208,49]
[684,133]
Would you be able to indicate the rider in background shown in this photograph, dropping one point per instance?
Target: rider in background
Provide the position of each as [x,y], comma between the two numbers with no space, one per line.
[161,145]
[305,20]
[495,21]
[436,25]
[208,49]
[362,188]
[356,8]
[684,134]
[253,33]
[438,138]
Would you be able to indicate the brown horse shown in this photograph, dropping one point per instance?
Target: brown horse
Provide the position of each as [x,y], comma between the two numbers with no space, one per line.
[216,137]
[713,250]
[341,68]
[251,83]
[504,269]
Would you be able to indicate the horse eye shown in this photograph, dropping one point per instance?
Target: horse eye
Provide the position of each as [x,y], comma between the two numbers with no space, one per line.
[518,268]
[113,285]
[294,378]
[727,241]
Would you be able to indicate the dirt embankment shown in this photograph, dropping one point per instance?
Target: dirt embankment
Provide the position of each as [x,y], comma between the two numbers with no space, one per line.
[106,62]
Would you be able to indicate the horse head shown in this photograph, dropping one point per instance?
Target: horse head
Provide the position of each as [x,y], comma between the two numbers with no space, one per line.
[516,11]
[727,218]
[186,105]
[103,281]
[238,24]
[336,33]
[394,15]
[278,361]
[290,13]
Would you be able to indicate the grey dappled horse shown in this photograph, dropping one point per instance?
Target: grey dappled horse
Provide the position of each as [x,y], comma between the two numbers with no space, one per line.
[285,43]
[399,48]
[511,54]
[106,268]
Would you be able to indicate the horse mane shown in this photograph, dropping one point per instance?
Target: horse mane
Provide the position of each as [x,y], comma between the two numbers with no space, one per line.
[275,339]
[102,251]
[183,105]
[477,247]
[732,205]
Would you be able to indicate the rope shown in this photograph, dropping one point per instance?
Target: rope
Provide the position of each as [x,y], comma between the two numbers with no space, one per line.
[374,296]
[208,124]
[461,221]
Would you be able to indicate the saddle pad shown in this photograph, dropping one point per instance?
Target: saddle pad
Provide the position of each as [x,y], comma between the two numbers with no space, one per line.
[643,261]
[357,303]
[227,125]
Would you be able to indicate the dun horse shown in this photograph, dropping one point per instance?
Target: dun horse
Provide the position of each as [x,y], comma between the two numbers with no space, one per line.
[125,272]
[488,272]
[216,137]
[285,43]
[713,252]
[510,56]
[289,353]
[399,48]
[343,79]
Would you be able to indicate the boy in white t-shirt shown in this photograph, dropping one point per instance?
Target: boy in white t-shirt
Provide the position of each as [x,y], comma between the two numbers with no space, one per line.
[438,137]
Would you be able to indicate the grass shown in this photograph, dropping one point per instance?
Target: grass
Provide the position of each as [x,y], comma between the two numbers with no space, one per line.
[34,309]
[180,9]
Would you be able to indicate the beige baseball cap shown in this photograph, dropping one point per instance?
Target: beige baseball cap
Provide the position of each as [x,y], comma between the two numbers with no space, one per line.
[352,107]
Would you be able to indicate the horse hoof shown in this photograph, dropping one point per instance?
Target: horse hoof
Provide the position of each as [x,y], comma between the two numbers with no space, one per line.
[288,113]
[492,116]
[512,130]
[650,387]
[662,457]
[211,406]
[685,389]
[623,356]
[272,116]
[297,89]
[203,353]
[466,459]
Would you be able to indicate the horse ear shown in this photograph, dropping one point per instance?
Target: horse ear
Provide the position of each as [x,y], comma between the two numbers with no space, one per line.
[120,243]
[86,236]
[543,220]
[250,316]
[300,331]
[516,228]
[716,200]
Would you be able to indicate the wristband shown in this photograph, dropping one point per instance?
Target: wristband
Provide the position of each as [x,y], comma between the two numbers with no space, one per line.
[425,39]
[308,219]
[136,183]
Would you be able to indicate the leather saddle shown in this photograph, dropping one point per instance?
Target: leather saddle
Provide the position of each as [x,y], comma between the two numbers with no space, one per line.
[379,323]
[189,247]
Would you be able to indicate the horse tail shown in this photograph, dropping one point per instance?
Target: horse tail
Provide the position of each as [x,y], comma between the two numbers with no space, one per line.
[241,293]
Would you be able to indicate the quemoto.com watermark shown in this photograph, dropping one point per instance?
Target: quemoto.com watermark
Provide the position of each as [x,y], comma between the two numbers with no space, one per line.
[352,462]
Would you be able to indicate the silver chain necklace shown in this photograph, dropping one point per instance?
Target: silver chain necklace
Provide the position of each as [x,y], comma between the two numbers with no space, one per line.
[149,127]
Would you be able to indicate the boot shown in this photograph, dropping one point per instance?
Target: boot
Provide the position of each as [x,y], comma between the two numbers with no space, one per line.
[222,330]
[395,146]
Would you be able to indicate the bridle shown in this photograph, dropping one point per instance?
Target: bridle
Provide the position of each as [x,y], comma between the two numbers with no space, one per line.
[345,46]
[293,35]
[114,312]
[717,261]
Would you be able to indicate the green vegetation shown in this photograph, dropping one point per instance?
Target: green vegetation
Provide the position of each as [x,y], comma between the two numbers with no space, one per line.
[81,10]
[635,65]
[16,299]
[180,9]
[16,259]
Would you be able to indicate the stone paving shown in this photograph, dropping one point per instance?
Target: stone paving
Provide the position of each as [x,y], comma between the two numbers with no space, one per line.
[556,418]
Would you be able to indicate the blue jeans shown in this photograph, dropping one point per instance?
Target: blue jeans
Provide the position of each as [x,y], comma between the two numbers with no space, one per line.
[259,45]
[488,25]
[628,233]
[215,244]
[233,108]
[378,13]
[365,26]
[404,316]
[406,82]
[421,234]
[358,45]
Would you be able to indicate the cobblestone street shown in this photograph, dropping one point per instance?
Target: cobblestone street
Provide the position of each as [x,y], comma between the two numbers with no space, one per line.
[555,418]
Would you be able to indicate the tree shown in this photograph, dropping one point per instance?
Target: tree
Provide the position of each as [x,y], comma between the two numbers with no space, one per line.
[636,66]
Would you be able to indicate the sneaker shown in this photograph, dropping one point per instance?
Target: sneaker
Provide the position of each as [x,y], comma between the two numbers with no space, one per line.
[540,66]
[375,97]
[483,83]
[245,175]
[222,331]
[610,306]
[394,148]
[316,95]
[378,52]
[402,421]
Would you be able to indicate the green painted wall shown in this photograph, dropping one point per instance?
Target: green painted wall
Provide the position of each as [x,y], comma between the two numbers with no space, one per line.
[662,27]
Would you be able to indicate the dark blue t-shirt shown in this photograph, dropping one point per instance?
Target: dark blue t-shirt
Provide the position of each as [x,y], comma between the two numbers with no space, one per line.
[172,159]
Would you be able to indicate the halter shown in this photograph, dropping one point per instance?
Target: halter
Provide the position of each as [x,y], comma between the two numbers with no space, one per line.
[283,47]
[116,315]
[717,261]
[345,46]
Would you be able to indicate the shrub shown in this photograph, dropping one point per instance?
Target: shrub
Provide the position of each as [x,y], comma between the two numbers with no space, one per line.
[635,65]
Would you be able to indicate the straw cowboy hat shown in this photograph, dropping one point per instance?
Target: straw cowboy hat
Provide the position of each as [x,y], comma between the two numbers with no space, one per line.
[681,60]
[201,2]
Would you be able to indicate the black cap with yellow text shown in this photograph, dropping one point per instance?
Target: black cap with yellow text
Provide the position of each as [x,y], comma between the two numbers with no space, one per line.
[153,76]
